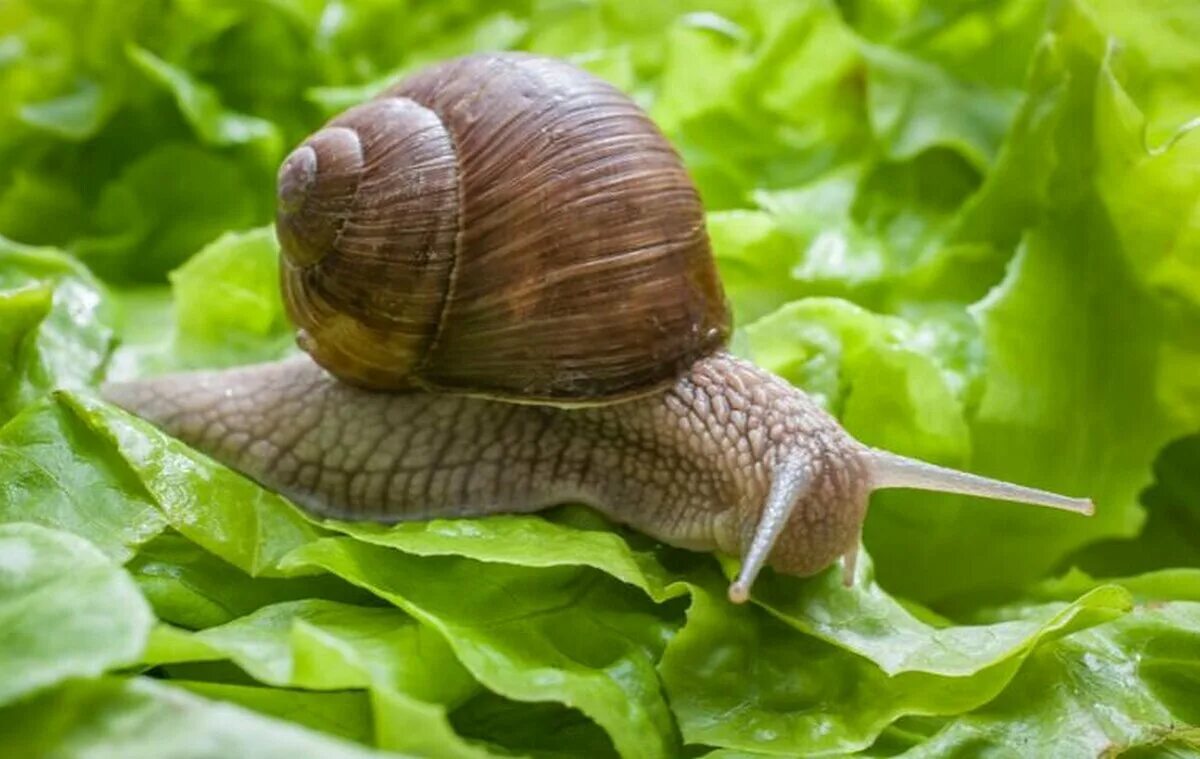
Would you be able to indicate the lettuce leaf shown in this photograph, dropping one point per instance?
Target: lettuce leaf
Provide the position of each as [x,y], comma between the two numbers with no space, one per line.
[142,717]
[798,694]
[559,634]
[329,646]
[1080,696]
[1056,386]
[969,230]
[190,588]
[55,325]
[533,631]
[57,474]
[65,610]
[1171,534]
[343,715]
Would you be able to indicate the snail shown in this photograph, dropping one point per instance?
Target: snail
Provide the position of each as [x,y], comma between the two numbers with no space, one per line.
[506,301]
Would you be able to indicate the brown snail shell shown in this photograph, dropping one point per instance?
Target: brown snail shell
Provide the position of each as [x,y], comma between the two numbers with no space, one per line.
[499,224]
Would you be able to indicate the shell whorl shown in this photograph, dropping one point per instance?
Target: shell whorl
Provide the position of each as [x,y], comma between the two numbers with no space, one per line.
[368,225]
[500,224]
[316,184]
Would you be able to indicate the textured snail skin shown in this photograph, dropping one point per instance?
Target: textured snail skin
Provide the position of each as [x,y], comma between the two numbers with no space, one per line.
[691,466]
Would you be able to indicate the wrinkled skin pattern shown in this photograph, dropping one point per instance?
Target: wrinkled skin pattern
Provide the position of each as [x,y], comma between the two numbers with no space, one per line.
[690,466]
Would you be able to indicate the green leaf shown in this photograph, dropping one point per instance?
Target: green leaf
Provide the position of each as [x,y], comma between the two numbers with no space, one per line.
[22,310]
[1159,59]
[145,318]
[1171,534]
[556,634]
[187,328]
[40,209]
[795,694]
[755,258]
[326,645]
[869,231]
[201,106]
[133,464]
[189,587]
[344,715]
[164,207]
[247,323]
[867,621]
[741,680]
[142,717]
[65,611]
[54,325]
[775,116]
[544,731]
[76,116]
[404,723]
[216,508]
[876,373]
[577,539]
[1083,696]
[986,45]
[323,645]
[1078,395]
[915,106]
[700,72]
[59,474]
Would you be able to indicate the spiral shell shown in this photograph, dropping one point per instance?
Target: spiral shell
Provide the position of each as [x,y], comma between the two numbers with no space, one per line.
[502,224]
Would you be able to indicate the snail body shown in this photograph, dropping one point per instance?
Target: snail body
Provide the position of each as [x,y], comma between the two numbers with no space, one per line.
[501,278]
[691,466]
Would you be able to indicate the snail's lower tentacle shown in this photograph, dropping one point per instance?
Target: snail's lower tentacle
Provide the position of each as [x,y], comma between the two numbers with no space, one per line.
[789,487]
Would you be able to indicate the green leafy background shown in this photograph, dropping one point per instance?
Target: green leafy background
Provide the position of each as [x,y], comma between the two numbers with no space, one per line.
[971,230]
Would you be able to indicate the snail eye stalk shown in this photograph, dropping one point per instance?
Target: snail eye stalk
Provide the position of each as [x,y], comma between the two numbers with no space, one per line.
[888,470]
